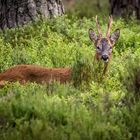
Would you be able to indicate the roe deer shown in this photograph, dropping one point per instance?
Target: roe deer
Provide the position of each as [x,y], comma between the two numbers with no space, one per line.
[104,45]
[32,73]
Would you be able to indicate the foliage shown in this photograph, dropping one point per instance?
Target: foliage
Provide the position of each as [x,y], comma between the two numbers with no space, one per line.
[104,110]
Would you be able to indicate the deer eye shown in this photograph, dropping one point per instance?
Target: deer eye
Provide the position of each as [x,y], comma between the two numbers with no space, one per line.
[98,48]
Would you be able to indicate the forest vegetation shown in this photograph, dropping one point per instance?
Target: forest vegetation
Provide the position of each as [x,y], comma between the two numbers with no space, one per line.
[87,110]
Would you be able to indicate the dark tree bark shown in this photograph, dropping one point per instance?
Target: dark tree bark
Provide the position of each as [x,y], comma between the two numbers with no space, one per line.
[125,8]
[98,4]
[19,12]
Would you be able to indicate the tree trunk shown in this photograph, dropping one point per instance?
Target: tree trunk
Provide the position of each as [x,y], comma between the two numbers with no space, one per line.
[99,4]
[19,12]
[125,8]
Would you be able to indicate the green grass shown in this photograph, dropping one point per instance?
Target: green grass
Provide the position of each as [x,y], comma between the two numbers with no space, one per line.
[90,110]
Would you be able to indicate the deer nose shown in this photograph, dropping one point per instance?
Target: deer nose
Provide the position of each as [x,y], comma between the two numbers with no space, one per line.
[105,57]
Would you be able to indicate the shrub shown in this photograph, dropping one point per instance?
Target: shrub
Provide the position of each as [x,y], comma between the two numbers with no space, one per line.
[87,109]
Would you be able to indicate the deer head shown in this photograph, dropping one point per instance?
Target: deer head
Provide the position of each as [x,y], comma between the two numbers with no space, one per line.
[104,45]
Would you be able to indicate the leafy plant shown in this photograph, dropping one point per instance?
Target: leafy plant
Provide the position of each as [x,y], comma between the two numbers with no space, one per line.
[83,109]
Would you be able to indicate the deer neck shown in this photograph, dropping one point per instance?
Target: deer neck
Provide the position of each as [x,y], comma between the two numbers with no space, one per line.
[100,69]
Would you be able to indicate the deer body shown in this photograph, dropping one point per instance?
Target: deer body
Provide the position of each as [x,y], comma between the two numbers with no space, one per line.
[32,73]
[38,74]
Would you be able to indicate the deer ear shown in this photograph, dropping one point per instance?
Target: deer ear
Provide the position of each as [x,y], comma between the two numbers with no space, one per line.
[115,35]
[92,35]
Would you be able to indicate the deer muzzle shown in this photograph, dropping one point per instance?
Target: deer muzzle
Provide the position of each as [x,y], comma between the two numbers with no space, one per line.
[105,58]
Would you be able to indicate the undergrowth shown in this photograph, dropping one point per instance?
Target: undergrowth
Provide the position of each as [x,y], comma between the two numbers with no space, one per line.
[84,110]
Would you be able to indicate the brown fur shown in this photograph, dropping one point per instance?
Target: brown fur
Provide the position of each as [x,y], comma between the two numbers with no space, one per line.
[38,74]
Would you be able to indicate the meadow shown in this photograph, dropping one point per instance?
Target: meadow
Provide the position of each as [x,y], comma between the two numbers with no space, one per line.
[85,110]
